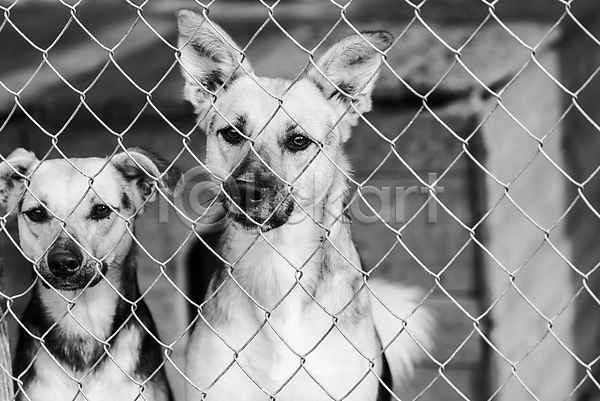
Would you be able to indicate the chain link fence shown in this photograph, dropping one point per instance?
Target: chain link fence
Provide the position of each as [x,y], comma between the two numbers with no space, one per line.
[474,193]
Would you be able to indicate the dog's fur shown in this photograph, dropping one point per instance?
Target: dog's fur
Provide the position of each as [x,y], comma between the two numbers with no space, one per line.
[288,313]
[82,338]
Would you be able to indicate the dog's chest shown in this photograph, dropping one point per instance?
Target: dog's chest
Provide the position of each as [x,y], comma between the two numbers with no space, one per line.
[92,313]
[269,268]
[299,360]
[296,346]
[294,317]
[108,380]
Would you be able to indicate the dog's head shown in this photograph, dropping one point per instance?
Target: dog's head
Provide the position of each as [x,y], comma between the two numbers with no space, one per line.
[275,143]
[75,217]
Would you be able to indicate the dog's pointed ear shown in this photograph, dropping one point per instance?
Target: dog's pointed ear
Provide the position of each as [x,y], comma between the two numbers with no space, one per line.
[141,169]
[13,171]
[347,72]
[210,59]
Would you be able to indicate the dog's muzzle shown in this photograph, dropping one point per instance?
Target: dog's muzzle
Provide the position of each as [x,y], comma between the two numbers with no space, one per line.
[261,201]
[66,267]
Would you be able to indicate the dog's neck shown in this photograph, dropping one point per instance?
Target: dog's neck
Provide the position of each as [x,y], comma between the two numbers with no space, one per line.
[91,310]
[316,253]
[84,318]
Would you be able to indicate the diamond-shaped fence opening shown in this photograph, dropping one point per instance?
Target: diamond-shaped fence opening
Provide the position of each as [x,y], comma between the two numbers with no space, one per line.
[402,218]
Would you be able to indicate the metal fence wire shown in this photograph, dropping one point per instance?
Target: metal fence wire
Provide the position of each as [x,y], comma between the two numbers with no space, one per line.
[175,226]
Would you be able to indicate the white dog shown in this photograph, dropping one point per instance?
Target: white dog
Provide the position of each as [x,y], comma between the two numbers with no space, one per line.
[86,334]
[289,314]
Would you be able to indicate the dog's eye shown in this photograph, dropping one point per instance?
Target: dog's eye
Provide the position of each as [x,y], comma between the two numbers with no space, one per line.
[231,135]
[298,142]
[37,215]
[100,212]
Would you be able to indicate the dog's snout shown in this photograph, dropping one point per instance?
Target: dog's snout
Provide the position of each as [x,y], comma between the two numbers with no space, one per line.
[64,263]
[257,198]
[246,194]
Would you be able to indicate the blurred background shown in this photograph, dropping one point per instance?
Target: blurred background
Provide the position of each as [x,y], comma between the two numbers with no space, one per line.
[494,102]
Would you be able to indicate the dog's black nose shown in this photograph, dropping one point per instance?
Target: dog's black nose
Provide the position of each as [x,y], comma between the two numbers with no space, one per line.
[64,263]
[246,194]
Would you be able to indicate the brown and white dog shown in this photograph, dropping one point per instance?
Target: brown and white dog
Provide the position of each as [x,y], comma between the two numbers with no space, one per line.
[86,334]
[289,314]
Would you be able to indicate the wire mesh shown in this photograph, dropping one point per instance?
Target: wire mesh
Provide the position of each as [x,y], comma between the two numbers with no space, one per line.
[462,150]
